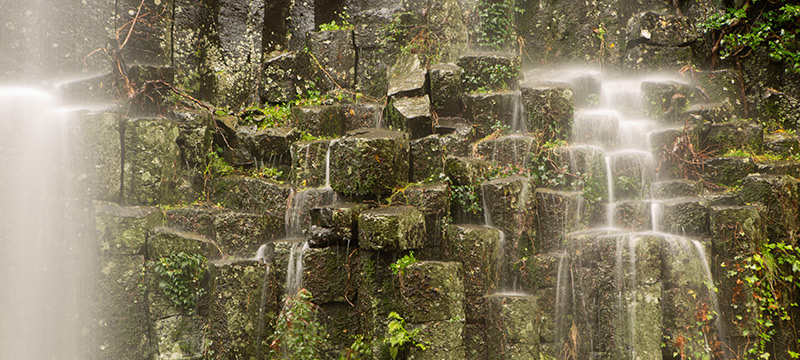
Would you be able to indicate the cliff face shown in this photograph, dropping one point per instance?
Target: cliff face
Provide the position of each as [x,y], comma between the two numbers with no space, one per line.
[448,179]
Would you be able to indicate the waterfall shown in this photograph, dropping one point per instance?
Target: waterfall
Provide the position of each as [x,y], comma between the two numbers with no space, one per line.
[46,272]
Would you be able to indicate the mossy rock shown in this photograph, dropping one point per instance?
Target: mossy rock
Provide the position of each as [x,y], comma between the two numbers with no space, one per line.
[513,324]
[646,57]
[198,220]
[319,120]
[411,114]
[688,216]
[446,89]
[369,162]
[152,170]
[443,340]
[232,323]
[407,78]
[164,242]
[728,171]
[487,110]
[239,235]
[100,151]
[476,247]
[550,110]
[392,228]
[123,230]
[250,194]
[735,135]
[465,170]
[309,162]
[432,291]
[493,71]
[555,216]
[327,274]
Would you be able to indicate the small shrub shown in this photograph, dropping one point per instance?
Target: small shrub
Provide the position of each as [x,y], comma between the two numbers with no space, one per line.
[179,278]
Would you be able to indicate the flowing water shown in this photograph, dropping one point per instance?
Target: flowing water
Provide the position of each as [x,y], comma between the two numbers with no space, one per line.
[616,130]
[45,282]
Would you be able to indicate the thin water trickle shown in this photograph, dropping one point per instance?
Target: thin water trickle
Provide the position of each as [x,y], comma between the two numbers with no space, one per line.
[328,165]
[610,208]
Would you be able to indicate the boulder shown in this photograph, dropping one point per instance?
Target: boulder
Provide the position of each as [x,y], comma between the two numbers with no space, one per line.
[199,220]
[286,77]
[239,235]
[249,194]
[549,109]
[326,274]
[432,291]
[735,135]
[100,151]
[490,112]
[407,78]
[123,230]
[336,54]
[322,120]
[476,247]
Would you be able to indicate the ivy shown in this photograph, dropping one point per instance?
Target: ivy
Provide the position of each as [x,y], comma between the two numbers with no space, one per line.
[773,25]
[399,266]
[179,278]
[496,24]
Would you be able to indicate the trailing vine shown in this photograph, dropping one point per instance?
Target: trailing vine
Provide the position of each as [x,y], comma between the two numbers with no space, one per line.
[180,277]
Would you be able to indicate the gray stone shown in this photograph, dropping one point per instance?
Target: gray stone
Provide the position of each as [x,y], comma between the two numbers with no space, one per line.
[179,337]
[369,162]
[513,325]
[249,194]
[549,109]
[199,220]
[712,112]
[476,247]
[152,42]
[310,161]
[446,89]
[735,135]
[782,143]
[411,114]
[688,216]
[443,340]
[488,111]
[658,58]
[326,274]
[513,151]
[556,215]
[432,291]
[100,151]
[234,313]
[674,188]
[494,72]
[323,120]
[336,54]
[286,77]
[665,99]
[362,115]
[407,78]
[195,135]
[433,200]
[728,171]
[465,170]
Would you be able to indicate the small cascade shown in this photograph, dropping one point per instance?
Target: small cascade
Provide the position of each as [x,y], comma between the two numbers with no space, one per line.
[616,131]
[328,165]
[294,272]
[519,122]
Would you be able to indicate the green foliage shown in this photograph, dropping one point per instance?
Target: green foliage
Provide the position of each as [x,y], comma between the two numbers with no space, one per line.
[333,25]
[269,173]
[399,266]
[773,275]
[494,77]
[297,334]
[179,278]
[496,24]
[773,25]
[398,338]
[217,166]
[467,197]
[358,349]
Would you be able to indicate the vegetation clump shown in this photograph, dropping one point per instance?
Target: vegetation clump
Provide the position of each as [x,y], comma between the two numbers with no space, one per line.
[180,277]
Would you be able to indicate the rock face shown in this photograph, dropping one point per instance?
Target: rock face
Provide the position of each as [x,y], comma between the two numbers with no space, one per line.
[495,214]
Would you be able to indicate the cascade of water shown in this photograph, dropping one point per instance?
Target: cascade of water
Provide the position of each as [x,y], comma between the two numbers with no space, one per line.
[712,290]
[47,262]
[294,272]
[610,208]
[328,165]
[518,119]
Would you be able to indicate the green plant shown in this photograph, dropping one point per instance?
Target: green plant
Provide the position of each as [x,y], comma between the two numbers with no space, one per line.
[398,337]
[399,266]
[467,197]
[496,24]
[772,25]
[358,349]
[297,334]
[217,166]
[179,278]
[333,25]
[269,173]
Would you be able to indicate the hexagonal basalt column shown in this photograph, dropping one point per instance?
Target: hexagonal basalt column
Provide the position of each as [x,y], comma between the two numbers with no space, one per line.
[326,274]
[487,110]
[412,114]
[392,228]
[446,89]
[369,162]
[477,248]
[249,194]
[688,216]
[235,308]
[432,291]
[550,110]
[512,325]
